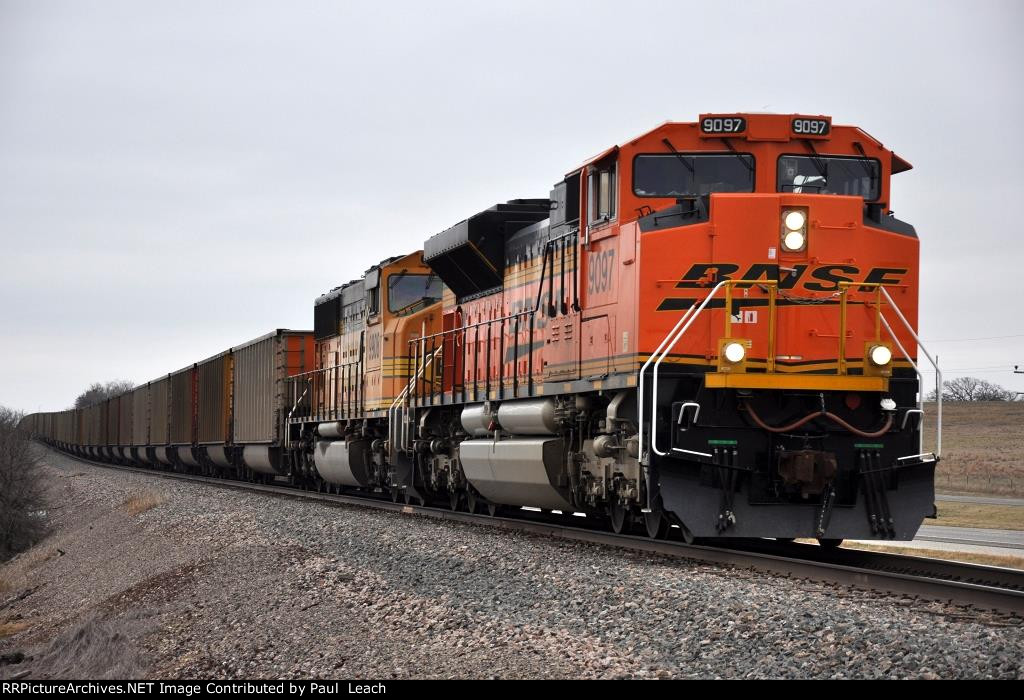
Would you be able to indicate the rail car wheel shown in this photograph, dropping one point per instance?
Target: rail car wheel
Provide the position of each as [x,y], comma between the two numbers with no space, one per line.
[829,543]
[492,509]
[396,493]
[656,524]
[618,517]
[454,498]
[472,502]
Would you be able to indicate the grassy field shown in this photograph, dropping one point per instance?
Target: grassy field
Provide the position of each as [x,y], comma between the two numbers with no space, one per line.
[982,447]
[979,515]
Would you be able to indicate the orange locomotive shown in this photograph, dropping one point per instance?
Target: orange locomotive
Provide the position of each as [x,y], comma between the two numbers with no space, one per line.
[711,326]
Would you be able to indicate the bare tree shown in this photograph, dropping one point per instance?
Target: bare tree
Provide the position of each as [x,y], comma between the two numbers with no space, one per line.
[101,392]
[21,488]
[972,389]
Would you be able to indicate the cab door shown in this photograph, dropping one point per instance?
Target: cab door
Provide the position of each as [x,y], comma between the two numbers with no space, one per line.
[374,343]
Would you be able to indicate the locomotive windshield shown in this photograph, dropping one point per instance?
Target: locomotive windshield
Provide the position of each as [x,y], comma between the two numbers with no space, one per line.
[829,175]
[410,293]
[687,174]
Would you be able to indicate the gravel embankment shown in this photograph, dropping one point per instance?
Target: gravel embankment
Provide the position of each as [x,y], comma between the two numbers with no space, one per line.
[156,577]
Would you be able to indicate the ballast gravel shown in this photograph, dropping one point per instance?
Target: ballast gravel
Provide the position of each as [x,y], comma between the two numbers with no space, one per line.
[181,579]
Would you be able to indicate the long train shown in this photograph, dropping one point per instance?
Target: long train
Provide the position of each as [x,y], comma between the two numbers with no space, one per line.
[712,326]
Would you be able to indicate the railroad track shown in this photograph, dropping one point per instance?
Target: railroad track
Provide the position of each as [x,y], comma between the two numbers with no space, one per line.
[971,585]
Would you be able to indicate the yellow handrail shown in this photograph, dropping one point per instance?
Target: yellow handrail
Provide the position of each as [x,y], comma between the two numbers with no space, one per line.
[772,289]
[844,289]
[772,294]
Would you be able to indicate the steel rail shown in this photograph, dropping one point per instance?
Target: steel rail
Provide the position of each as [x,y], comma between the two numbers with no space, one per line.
[972,585]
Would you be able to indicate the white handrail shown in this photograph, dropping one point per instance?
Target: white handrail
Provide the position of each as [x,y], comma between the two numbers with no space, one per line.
[684,323]
[920,393]
[920,380]
[661,352]
[644,456]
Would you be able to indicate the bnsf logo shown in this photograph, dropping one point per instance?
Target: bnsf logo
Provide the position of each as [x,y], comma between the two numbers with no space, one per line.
[824,278]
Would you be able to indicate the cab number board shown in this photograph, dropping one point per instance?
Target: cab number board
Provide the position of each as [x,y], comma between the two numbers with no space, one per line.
[723,125]
[811,127]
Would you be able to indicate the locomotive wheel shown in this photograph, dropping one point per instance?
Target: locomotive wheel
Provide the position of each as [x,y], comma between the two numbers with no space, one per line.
[618,516]
[688,537]
[657,524]
[829,543]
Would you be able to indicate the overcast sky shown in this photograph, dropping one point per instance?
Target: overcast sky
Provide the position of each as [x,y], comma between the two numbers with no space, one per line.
[177,177]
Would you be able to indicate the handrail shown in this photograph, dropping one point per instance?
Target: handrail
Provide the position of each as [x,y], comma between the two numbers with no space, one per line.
[462,329]
[674,336]
[644,457]
[920,392]
[403,396]
[301,396]
[419,350]
[322,370]
[320,379]
[880,319]
[683,325]
[670,341]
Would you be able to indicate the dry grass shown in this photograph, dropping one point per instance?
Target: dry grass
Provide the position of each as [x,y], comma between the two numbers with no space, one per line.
[96,649]
[16,573]
[982,447]
[956,514]
[11,628]
[969,557]
[141,502]
[35,557]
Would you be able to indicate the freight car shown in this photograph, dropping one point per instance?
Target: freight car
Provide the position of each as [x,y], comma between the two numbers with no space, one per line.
[711,326]
[222,416]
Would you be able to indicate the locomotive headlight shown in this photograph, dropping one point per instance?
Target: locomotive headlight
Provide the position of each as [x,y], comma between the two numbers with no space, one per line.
[734,352]
[794,230]
[795,220]
[793,241]
[880,355]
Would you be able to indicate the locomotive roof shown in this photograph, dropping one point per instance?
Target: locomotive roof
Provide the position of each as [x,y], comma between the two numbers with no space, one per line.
[761,126]
[340,289]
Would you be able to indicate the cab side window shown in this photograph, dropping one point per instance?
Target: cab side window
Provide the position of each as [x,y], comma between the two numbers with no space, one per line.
[601,184]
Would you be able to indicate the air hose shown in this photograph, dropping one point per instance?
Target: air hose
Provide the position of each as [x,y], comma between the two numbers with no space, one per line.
[811,416]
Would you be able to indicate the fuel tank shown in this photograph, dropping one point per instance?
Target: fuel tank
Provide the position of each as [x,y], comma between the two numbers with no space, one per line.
[518,471]
[341,462]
